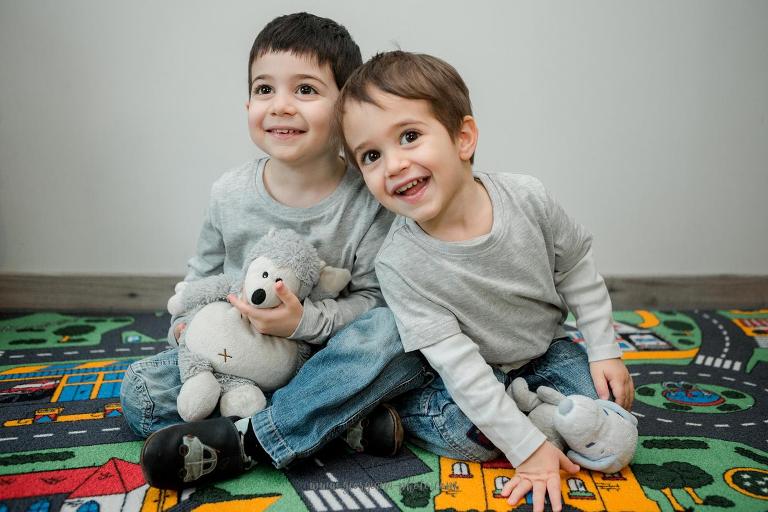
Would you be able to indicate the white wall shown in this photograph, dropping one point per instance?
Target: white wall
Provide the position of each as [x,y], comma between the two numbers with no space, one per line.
[649,120]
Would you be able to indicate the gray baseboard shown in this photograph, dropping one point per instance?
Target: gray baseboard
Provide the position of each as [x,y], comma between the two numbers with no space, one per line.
[689,292]
[75,292]
[115,293]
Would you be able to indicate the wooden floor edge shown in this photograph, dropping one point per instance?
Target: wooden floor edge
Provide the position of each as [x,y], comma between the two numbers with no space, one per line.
[112,293]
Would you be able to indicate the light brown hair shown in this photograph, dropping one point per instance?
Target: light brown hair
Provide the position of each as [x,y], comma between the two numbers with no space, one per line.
[413,76]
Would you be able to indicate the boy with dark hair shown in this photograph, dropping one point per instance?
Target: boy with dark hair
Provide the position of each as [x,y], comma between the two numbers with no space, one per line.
[297,65]
[480,270]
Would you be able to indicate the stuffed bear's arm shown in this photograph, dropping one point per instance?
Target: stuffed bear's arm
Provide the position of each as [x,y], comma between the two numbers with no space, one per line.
[204,291]
[191,295]
[190,364]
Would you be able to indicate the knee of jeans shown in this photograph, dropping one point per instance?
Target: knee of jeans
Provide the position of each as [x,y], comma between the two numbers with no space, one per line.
[133,400]
[377,333]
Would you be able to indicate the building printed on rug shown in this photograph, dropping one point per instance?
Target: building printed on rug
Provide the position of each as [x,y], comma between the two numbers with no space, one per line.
[115,486]
[477,485]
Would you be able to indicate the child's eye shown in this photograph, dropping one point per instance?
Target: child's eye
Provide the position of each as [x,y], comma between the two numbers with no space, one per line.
[409,136]
[369,157]
[262,89]
[306,89]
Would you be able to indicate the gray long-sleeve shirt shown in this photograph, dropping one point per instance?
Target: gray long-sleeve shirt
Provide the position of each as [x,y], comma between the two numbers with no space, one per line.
[347,229]
[497,300]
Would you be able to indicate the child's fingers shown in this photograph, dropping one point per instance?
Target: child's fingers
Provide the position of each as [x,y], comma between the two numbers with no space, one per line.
[511,484]
[619,392]
[555,498]
[567,464]
[238,303]
[601,385]
[630,394]
[241,305]
[539,494]
[284,293]
[521,489]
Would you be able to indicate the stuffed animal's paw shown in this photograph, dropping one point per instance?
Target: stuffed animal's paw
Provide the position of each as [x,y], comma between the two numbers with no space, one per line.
[243,401]
[198,397]
[175,305]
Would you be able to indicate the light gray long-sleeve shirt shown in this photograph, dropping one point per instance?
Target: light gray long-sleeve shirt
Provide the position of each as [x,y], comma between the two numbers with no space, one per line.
[347,229]
[497,300]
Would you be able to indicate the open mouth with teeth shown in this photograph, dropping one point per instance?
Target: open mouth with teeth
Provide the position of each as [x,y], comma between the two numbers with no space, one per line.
[283,132]
[412,187]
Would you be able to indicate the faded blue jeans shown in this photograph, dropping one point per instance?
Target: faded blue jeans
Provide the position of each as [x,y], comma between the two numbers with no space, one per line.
[361,366]
[433,421]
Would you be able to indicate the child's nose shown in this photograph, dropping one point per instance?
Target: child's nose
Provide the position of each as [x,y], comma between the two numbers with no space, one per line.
[396,163]
[282,104]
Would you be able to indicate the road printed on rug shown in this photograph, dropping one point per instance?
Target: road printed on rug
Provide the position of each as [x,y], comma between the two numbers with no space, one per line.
[701,401]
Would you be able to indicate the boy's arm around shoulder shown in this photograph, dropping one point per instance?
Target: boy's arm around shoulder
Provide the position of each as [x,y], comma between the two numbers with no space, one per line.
[322,318]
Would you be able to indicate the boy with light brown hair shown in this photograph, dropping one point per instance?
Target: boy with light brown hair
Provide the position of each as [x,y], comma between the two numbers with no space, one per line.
[480,270]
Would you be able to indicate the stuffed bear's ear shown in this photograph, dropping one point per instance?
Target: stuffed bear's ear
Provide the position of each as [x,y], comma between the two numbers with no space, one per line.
[332,281]
[549,395]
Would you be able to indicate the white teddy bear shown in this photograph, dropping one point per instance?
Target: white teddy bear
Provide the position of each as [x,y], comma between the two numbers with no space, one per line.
[222,358]
[601,435]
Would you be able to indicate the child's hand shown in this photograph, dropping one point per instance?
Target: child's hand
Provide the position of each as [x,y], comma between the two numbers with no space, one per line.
[179,329]
[611,376]
[540,472]
[278,321]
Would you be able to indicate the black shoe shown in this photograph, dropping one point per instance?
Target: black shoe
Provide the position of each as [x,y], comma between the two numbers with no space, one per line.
[382,432]
[192,454]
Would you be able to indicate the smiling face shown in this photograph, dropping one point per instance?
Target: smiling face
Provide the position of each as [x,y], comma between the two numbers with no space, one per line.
[291,107]
[408,159]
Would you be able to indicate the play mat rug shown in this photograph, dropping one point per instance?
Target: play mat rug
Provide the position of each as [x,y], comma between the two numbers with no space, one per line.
[701,401]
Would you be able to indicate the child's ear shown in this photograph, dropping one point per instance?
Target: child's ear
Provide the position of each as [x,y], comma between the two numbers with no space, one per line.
[467,138]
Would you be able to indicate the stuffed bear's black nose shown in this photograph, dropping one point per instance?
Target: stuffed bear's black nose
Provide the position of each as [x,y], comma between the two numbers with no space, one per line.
[258,296]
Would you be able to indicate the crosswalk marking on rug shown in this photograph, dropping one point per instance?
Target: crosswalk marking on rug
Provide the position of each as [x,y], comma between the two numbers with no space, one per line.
[717,362]
[380,499]
[362,498]
[315,501]
[331,500]
[340,499]
[347,499]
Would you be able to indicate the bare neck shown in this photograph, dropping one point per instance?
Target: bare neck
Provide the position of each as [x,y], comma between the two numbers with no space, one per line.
[303,185]
[469,215]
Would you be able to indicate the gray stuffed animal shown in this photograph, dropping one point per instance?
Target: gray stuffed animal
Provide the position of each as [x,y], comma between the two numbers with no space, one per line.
[222,358]
[601,435]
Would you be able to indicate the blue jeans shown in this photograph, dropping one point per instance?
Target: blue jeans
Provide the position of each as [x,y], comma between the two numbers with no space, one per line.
[433,421]
[361,366]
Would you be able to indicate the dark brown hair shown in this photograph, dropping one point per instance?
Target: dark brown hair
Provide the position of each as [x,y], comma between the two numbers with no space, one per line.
[309,35]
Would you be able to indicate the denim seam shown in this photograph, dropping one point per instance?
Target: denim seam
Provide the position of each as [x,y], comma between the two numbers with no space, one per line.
[281,444]
[147,406]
